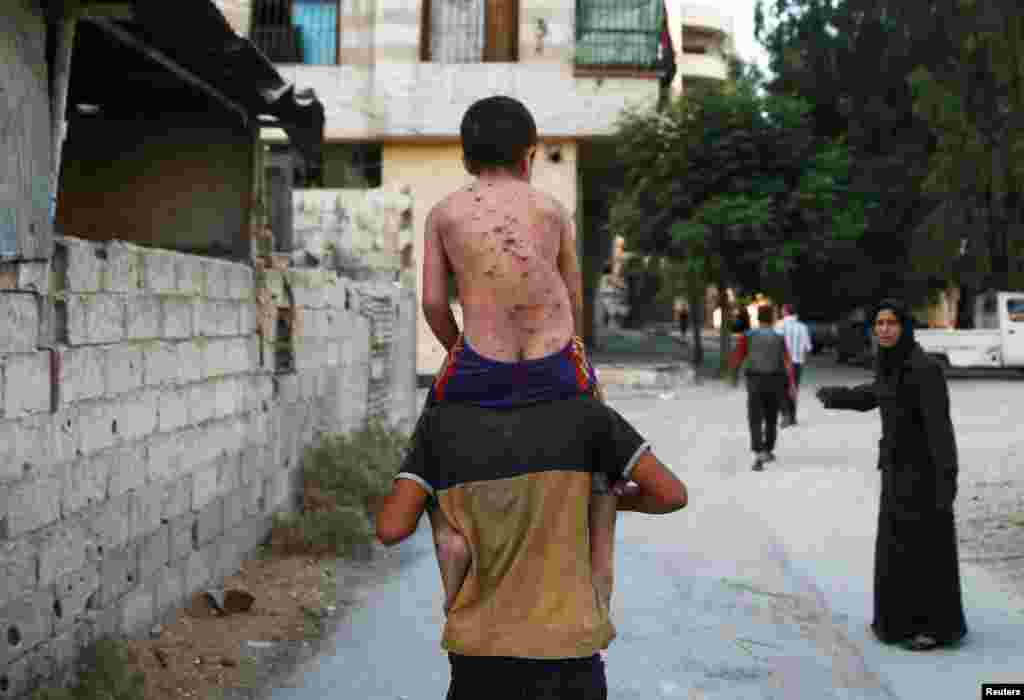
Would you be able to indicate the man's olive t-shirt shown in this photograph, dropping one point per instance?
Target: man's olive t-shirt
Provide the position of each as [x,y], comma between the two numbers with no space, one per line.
[516,484]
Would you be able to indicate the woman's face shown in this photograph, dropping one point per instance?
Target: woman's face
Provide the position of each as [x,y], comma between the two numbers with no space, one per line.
[888,328]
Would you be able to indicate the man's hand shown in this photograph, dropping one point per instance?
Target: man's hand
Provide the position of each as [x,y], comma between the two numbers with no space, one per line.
[625,488]
[826,395]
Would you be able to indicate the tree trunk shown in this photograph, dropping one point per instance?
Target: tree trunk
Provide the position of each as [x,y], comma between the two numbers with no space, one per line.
[725,329]
[696,302]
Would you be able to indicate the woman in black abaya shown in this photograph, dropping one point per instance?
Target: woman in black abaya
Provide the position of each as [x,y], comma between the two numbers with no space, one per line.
[917,600]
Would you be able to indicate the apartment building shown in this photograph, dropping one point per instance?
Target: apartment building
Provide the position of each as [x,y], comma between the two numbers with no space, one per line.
[396,76]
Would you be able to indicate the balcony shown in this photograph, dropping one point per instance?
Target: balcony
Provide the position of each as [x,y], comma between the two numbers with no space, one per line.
[711,66]
[619,37]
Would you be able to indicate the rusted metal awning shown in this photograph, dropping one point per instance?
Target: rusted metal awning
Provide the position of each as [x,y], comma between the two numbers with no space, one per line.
[194,40]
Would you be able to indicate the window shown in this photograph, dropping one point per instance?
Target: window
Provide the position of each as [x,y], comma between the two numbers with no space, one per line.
[1015,310]
[470,31]
[620,34]
[345,166]
[296,31]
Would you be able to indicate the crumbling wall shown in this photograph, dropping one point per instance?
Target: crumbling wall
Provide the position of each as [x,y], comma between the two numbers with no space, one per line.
[143,456]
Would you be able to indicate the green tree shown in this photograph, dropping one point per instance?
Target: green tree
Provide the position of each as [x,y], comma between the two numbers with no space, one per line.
[735,186]
[974,106]
[850,59]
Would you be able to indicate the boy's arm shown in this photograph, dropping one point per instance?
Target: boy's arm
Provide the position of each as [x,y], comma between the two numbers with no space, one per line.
[739,354]
[400,512]
[436,269]
[569,267]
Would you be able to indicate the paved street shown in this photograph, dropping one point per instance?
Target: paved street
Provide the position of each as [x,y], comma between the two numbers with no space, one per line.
[761,587]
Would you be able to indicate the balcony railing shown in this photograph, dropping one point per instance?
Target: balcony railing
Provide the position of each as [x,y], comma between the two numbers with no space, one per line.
[622,34]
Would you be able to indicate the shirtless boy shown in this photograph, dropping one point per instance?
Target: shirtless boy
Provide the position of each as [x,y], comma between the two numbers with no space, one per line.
[512,249]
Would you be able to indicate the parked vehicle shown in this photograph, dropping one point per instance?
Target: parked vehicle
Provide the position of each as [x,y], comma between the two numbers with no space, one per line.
[997,340]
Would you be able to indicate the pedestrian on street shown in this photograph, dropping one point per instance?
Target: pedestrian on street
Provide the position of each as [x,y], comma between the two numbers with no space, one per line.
[917,598]
[798,342]
[527,621]
[769,375]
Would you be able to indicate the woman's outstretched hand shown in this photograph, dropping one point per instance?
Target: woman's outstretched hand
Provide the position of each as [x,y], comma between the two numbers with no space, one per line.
[827,395]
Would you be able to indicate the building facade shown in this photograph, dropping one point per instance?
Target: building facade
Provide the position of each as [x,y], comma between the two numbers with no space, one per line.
[396,76]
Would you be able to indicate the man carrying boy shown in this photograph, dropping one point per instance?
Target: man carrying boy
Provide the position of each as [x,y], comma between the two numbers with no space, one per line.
[527,622]
[512,249]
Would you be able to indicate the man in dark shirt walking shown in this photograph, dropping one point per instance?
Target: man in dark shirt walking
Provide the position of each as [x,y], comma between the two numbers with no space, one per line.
[769,380]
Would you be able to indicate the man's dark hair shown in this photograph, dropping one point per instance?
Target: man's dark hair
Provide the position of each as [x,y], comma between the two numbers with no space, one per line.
[496,133]
[765,315]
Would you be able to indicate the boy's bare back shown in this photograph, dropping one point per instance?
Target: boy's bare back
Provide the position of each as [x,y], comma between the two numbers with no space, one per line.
[511,247]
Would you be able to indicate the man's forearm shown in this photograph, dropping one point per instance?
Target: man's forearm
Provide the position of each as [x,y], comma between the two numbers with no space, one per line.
[442,323]
[635,500]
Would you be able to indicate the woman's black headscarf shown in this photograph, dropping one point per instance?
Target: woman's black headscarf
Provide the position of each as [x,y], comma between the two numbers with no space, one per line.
[891,359]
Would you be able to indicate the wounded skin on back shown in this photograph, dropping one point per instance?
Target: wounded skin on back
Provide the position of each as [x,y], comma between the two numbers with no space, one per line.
[502,240]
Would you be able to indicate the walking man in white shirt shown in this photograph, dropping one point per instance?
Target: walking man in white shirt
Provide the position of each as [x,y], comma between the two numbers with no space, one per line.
[798,342]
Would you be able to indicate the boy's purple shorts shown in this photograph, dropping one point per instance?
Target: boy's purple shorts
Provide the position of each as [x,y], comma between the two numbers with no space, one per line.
[469,377]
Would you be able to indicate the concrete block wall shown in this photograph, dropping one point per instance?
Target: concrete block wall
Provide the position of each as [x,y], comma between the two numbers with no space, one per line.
[143,455]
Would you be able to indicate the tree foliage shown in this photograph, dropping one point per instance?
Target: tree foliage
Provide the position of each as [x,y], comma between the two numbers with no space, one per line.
[737,187]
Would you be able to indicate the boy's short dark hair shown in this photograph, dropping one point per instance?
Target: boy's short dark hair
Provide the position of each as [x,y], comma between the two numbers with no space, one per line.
[765,315]
[496,133]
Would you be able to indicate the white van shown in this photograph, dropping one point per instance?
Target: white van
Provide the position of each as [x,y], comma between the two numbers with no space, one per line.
[997,341]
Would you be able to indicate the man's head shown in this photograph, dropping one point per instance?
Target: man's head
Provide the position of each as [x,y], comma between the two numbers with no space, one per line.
[498,133]
[765,316]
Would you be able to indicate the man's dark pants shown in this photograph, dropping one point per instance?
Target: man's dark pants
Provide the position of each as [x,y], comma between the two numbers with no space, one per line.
[790,404]
[765,396]
[507,678]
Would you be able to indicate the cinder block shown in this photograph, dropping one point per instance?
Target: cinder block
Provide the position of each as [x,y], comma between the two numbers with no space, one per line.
[98,430]
[178,316]
[119,573]
[138,610]
[84,264]
[256,429]
[287,388]
[33,502]
[18,562]
[172,410]
[216,357]
[190,275]
[19,677]
[123,368]
[247,318]
[147,509]
[154,551]
[110,524]
[190,361]
[160,362]
[75,591]
[277,494]
[19,317]
[254,462]
[26,383]
[158,274]
[51,657]
[198,569]
[178,497]
[123,271]
[129,466]
[218,278]
[29,620]
[86,484]
[95,318]
[241,282]
[181,536]
[209,523]
[204,486]
[217,318]
[81,373]
[61,549]
[143,317]
[165,453]
[227,397]
[202,402]
[236,503]
[169,585]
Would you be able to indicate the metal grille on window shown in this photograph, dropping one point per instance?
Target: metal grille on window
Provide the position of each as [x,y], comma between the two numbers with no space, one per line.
[296,31]
[619,33]
[457,31]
